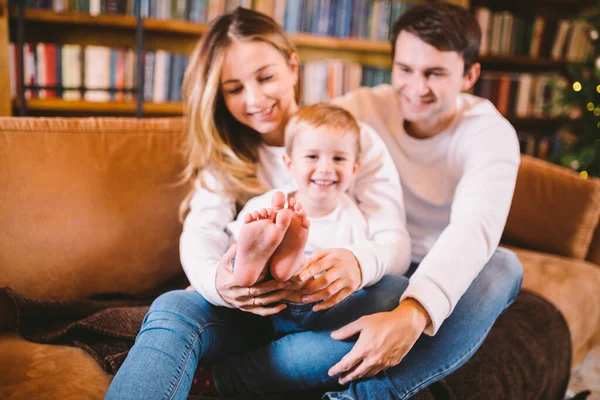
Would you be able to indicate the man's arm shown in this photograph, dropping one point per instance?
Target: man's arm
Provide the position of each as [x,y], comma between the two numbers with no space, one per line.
[481,204]
[489,160]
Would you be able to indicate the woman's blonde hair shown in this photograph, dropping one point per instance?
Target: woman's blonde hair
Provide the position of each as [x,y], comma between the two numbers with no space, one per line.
[218,142]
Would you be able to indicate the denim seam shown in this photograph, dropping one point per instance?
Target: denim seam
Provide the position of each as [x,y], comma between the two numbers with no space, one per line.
[181,366]
[339,396]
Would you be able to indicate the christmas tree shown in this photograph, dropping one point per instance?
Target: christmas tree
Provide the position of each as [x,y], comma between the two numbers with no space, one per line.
[583,95]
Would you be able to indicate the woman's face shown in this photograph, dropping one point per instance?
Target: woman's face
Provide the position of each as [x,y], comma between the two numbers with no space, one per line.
[257,83]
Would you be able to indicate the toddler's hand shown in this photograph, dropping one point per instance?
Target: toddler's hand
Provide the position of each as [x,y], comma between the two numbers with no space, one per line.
[342,276]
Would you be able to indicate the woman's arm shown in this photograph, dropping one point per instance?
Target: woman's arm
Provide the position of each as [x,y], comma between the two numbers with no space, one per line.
[204,239]
[204,245]
[378,193]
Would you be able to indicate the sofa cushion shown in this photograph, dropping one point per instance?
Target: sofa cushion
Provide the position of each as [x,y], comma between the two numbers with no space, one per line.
[32,371]
[553,210]
[571,285]
[89,205]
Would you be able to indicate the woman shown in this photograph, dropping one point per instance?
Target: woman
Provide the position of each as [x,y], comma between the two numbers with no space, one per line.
[240,89]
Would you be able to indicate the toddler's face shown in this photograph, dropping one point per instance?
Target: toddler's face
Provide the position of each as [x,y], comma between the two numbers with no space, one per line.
[324,163]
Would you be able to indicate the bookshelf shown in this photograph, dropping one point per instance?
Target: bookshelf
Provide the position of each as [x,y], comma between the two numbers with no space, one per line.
[180,36]
[70,107]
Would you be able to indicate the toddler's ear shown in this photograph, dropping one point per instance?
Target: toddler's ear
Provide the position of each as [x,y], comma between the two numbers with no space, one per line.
[287,161]
[356,167]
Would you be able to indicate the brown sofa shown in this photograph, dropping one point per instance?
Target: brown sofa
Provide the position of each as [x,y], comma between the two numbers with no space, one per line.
[89,206]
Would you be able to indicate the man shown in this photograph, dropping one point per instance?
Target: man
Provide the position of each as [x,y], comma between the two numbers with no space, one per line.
[458,159]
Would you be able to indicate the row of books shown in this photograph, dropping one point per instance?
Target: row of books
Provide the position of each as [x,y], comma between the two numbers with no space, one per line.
[98,73]
[547,147]
[366,19]
[523,95]
[95,73]
[186,10]
[544,147]
[536,37]
[326,79]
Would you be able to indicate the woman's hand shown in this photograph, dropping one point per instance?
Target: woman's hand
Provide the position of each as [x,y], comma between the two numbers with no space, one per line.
[385,338]
[256,298]
[341,278]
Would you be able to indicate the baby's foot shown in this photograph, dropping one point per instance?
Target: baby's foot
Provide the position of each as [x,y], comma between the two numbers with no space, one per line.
[288,258]
[262,232]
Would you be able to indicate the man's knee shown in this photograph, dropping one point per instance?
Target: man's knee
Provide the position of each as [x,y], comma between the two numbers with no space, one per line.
[507,269]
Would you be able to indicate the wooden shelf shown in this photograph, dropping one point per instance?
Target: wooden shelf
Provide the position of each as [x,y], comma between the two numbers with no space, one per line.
[521,61]
[538,122]
[111,21]
[113,107]
[348,44]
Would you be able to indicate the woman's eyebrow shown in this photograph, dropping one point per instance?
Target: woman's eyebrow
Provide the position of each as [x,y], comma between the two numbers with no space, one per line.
[255,72]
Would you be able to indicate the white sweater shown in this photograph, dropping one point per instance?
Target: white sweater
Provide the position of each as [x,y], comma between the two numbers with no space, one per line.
[457,185]
[377,193]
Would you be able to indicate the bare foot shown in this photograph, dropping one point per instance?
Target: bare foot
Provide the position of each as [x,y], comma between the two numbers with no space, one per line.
[262,232]
[288,258]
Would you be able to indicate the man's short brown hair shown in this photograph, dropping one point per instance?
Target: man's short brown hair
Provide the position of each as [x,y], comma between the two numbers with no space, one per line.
[447,27]
[322,114]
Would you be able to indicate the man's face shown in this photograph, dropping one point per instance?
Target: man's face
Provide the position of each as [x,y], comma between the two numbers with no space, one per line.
[427,81]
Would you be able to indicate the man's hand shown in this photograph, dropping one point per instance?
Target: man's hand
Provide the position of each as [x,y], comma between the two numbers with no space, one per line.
[385,338]
[341,278]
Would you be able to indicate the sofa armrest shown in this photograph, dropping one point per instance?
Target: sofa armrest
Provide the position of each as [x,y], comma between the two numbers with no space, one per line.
[594,252]
[553,210]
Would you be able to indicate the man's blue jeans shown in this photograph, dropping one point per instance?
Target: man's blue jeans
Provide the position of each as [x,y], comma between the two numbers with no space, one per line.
[254,355]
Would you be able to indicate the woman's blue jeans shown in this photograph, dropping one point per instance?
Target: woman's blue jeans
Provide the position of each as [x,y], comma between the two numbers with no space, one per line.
[253,355]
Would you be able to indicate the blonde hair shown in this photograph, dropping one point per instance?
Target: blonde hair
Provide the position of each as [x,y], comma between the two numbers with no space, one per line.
[322,114]
[218,142]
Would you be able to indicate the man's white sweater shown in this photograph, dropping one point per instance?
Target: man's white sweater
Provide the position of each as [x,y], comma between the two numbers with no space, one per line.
[457,185]
[376,190]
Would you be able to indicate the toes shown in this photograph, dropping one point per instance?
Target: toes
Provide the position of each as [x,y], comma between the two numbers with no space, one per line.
[254,214]
[263,213]
[292,203]
[278,200]
[270,212]
[298,207]
[248,219]
[301,213]
[283,218]
[305,223]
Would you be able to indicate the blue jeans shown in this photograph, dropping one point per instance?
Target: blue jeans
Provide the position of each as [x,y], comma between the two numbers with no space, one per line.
[254,355]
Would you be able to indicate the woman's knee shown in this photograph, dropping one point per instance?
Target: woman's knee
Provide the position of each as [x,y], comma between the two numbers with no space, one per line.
[182,305]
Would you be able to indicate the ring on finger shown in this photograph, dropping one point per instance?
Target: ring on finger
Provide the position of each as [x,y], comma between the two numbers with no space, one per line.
[249,294]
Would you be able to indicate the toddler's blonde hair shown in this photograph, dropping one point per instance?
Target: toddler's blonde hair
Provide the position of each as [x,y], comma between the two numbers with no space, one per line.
[322,114]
